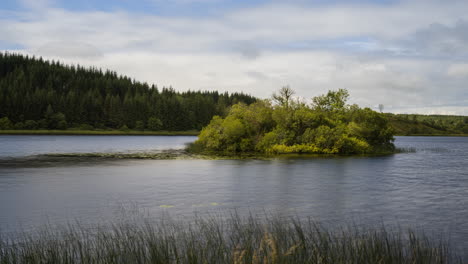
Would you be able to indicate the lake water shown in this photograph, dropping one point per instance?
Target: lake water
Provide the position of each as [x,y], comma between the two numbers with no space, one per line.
[426,189]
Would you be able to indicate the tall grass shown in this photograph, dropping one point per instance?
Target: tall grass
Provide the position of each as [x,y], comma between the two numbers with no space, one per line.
[219,240]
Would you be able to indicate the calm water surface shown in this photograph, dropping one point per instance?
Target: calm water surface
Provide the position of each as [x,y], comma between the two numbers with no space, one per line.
[20,146]
[427,189]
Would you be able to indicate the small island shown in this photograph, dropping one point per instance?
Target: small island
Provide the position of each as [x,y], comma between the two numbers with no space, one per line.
[285,125]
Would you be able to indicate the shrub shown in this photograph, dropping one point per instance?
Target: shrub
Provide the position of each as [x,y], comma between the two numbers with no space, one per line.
[154,124]
[327,126]
[19,126]
[139,125]
[124,128]
[30,124]
[5,123]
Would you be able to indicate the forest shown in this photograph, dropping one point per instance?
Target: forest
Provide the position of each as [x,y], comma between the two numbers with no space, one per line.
[40,94]
[283,125]
[413,124]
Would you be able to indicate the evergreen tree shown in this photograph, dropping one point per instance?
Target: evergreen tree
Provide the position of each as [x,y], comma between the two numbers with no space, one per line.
[55,96]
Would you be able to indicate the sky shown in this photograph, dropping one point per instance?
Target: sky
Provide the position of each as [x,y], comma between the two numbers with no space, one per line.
[411,56]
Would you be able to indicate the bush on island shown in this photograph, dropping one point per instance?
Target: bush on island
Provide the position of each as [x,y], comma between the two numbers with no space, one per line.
[285,125]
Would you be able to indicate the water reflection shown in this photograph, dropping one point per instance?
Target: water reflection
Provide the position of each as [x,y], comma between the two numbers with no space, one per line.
[428,188]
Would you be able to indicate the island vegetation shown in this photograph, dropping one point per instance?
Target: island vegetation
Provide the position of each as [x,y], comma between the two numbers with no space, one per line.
[328,125]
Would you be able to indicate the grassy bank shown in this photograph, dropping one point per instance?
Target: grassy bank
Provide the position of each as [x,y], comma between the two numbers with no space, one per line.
[100,132]
[220,240]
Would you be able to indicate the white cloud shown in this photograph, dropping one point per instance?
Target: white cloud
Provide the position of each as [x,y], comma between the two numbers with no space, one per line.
[338,21]
[458,70]
[68,49]
[256,50]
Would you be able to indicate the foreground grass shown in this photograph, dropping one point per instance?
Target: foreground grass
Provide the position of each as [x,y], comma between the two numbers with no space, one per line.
[100,132]
[218,240]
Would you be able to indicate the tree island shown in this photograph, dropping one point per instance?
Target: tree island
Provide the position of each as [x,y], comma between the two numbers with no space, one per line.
[285,125]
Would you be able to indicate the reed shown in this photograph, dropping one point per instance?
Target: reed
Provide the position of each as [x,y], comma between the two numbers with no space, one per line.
[232,239]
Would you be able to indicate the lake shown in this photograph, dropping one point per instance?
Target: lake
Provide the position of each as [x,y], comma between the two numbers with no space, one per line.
[425,189]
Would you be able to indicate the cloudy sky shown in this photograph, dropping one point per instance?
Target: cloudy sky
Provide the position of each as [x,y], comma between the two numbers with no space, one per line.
[411,56]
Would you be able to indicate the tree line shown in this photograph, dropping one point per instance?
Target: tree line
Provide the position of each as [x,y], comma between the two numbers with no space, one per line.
[41,94]
[413,124]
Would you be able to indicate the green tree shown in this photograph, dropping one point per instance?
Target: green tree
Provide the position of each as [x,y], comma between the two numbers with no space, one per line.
[154,124]
[19,125]
[35,89]
[329,126]
[30,124]
[5,123]
[139,125]
[332,101]
[55,120]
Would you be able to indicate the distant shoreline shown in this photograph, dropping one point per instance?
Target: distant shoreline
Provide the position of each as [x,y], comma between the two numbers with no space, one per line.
[154,133]
[100,132]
